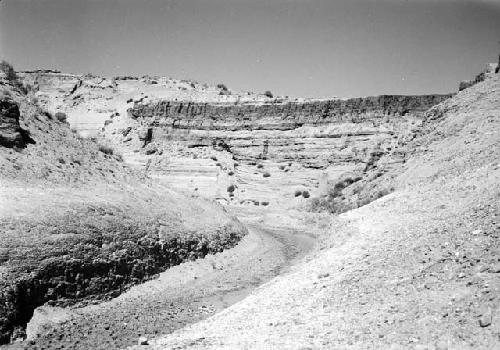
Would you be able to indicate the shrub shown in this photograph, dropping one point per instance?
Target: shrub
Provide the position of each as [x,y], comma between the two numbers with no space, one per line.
[48,115]
[221,86]
[60,116]
[264,203]
[266,174]
[260,166]
[230,188]
[268,94]
[106,149]
[298,193]
[11,76]
[339,186]
[231,173]
[305,194]
[10,73]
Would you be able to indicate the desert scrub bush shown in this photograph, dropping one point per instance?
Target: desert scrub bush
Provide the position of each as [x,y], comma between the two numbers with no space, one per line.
[260,166]
[11,76]
[231,188]
[221,86]
[231,173]
[305,194]
[268,94]
[61,117]
[106,149]
[298,193]
[10,73]
[266,174]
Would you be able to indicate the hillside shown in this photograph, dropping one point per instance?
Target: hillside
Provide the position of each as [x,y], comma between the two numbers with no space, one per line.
[417,268]
[77,225]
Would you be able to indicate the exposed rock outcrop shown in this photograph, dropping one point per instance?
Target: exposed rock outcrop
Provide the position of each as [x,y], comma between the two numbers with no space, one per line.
[11,133]
[191,137]
[266,152]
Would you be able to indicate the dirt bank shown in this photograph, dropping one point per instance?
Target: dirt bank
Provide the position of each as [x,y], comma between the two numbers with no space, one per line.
[181,295]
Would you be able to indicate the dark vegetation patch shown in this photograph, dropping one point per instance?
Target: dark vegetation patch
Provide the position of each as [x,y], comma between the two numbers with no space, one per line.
[11,76]
[352,192]
[93,254]
[106,149]
[61,117]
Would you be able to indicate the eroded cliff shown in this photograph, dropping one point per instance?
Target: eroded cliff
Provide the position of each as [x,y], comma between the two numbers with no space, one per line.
[267,153]
[237,147]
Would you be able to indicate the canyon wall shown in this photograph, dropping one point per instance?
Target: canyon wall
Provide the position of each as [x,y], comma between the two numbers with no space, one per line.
[267,153]
[234,146]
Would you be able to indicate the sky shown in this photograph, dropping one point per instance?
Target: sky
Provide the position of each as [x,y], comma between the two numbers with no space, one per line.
[298,48]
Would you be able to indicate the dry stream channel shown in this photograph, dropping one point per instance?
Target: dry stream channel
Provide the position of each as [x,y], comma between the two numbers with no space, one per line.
[181,295]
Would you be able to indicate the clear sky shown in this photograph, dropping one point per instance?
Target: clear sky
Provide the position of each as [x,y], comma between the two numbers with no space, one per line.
[309,48]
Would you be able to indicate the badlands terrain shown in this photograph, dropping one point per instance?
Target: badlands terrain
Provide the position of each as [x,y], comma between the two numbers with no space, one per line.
[154,213]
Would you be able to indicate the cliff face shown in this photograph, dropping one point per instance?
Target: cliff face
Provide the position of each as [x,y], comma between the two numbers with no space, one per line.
[271,152]
[237,147]
[354,109]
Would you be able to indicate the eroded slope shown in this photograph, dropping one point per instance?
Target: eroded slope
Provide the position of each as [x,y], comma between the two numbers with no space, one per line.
[417,268]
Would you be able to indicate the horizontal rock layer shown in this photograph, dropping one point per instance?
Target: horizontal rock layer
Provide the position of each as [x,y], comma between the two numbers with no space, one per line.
[268,153]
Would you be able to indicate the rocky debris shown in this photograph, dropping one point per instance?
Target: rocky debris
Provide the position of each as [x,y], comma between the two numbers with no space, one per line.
[11,133]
